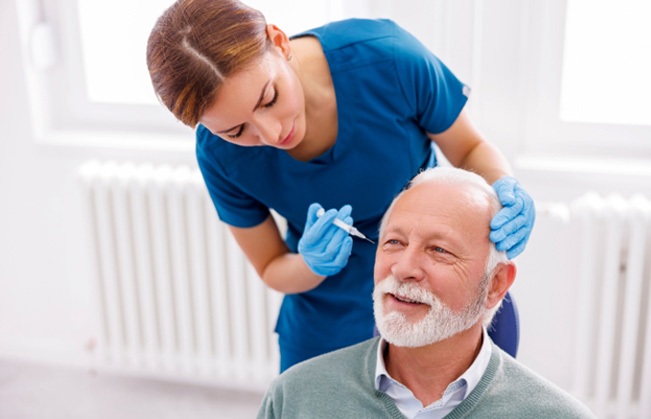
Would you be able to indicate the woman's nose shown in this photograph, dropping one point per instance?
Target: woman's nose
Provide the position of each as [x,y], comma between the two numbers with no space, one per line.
[408,265]
[269,129]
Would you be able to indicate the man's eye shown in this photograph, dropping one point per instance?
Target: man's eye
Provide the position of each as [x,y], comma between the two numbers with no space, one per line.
[272,101]
[391,243]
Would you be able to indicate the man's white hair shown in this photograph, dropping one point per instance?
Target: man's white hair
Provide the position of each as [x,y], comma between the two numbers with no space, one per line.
[467,179]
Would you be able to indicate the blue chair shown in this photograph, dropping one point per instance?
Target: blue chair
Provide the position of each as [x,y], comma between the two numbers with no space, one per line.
[505,327]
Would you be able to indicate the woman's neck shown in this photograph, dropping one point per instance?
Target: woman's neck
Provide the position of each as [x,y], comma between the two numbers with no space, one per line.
[313,71]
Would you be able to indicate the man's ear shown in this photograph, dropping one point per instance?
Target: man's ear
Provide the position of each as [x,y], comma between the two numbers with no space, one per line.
[501,281]
[279,40]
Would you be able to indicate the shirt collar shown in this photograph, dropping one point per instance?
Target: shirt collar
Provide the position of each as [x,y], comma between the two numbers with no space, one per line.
[470,378]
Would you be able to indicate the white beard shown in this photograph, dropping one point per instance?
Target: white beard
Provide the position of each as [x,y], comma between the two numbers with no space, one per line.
[439,323]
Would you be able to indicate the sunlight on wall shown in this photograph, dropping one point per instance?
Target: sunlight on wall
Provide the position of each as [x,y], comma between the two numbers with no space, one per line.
[114,65]
[114,38]
[607,62]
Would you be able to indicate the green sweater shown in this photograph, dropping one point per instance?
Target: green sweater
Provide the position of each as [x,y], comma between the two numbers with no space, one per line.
[340,384]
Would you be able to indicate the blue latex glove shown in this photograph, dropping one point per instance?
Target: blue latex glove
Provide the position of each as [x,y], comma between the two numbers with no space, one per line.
[325,247]
[512,225]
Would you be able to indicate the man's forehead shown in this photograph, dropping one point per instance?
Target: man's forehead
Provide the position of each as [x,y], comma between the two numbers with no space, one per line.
[449,204]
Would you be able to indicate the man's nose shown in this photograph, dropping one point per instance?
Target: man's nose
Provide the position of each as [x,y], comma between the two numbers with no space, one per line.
[408,265]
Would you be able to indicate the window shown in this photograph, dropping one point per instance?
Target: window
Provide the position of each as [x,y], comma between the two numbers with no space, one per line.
[588,90]
[86,68]
[607,62]
[113,59]
[570,76]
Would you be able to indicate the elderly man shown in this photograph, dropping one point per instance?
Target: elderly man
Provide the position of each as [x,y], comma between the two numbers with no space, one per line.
[438,281]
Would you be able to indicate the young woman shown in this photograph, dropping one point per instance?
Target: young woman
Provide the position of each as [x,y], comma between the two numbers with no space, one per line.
[341,116]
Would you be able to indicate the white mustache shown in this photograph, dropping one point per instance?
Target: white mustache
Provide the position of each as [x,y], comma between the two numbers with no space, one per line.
[439,323]
[409,291]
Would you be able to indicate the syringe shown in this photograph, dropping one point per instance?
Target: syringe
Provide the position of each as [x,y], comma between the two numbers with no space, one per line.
[347,228]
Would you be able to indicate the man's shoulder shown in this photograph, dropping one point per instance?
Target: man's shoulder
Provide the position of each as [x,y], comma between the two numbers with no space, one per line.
[532,392]
[334,385]
[340,373]
[519,373]
[335,362]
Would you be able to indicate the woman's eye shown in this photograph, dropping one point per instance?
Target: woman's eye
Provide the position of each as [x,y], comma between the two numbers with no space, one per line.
[272,101]
[238,133]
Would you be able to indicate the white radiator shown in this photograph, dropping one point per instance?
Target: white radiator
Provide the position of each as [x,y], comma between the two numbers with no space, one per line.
[176,297]
[612,357]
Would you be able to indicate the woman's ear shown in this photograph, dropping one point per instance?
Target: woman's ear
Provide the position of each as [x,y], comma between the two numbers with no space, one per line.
[279,40]
[502,279]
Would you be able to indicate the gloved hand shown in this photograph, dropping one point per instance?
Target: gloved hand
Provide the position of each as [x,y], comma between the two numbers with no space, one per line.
[325,247]
[512,225]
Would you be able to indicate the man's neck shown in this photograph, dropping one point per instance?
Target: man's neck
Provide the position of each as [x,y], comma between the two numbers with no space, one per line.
[427,371]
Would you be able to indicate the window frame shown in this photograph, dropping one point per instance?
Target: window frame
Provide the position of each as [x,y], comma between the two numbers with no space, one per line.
[545,133]
[60,111]
[515,89]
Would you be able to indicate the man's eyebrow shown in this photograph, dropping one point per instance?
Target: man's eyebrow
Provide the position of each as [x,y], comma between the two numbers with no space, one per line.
[257,104]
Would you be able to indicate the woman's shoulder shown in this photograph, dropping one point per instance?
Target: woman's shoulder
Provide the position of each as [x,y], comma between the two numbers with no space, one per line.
[209,146]
[372,38]
[211,149]
[361,26]
[345,32]
[206,139]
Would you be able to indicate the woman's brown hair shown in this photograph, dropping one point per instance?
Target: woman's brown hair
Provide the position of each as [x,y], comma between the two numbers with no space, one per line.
[195,45]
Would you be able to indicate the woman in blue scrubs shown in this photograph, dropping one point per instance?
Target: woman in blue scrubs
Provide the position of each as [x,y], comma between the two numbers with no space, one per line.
[340,117]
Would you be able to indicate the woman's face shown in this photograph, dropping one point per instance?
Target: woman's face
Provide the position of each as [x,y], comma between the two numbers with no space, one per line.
[262,105]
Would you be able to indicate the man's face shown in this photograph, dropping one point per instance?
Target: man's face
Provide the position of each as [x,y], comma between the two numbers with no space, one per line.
[430,264]
[438,324]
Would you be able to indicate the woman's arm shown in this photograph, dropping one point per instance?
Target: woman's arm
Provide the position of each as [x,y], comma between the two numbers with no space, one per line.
[466,148]
[277,266]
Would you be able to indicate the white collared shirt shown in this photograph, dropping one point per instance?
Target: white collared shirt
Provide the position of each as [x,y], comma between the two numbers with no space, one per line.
[454,394]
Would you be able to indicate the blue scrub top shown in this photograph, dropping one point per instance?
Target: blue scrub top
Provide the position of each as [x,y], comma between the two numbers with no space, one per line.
[390,91]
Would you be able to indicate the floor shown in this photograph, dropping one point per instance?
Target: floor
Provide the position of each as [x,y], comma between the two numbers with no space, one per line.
[34,391]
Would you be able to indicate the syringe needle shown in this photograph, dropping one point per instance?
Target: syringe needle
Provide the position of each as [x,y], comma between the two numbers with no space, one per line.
[350,229]
[347,228]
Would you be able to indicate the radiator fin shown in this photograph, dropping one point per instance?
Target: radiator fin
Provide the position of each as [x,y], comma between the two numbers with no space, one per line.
[613,343]
[176,296]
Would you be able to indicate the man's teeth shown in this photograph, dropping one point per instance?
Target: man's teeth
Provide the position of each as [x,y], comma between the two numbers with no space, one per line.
[406,300]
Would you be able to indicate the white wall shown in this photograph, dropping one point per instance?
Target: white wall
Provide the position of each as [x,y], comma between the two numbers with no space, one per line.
[37,309]
[46,302]
[45,295]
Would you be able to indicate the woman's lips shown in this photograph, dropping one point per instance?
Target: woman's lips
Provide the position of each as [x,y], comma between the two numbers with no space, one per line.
[289,137]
